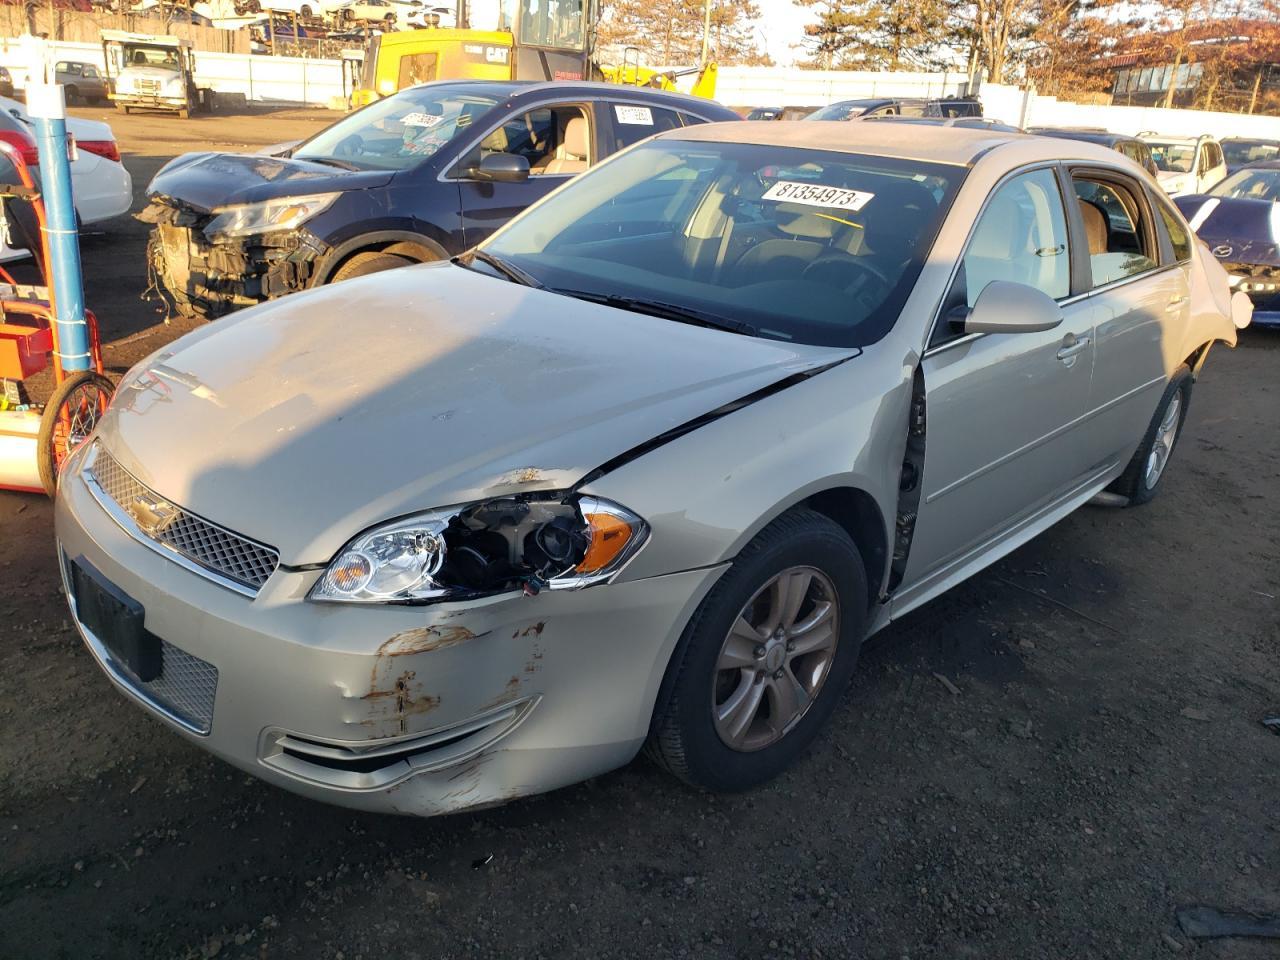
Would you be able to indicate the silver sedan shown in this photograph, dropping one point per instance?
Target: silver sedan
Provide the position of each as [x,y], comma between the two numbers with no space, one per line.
[645,468]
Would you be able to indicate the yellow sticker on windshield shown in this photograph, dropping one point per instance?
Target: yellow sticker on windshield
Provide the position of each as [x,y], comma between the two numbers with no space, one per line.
[816,195]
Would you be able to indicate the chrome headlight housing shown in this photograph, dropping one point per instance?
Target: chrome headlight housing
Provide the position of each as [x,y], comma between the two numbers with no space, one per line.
[268,216]
[516,543]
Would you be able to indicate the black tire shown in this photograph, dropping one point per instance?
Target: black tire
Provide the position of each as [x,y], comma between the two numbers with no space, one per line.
[363,264]
[304,11]
[683,738]
[1134,483]
[82,395]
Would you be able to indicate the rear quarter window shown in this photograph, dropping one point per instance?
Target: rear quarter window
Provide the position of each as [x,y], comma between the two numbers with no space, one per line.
[632,123]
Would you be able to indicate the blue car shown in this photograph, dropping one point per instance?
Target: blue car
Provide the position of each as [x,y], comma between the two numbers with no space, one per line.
[422,175]
[1239,221]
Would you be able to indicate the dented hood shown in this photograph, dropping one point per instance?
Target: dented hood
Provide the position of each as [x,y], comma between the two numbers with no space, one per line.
[204,181]
[304,421]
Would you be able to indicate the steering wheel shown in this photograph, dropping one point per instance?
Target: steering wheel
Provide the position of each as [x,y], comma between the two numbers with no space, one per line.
[351,146]
[852,274]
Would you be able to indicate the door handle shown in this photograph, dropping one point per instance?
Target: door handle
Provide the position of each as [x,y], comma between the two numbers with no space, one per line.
[1071,346]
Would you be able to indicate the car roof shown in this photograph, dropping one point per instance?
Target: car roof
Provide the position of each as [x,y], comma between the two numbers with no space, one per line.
[959,146]
[568,89]
[1258,140]
[1088,136]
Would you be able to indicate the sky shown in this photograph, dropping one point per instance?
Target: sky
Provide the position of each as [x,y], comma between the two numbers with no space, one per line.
[781,25]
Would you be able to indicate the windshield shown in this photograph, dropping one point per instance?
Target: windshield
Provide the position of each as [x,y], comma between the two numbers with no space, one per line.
[801,245]
[166,57]
[1250,185]
[549,23]
[1240,152]
[402,131]
[838,111]
[1173,157]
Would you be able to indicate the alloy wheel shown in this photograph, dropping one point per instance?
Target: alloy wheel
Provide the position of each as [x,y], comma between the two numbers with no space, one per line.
[775,658]
[1162,444]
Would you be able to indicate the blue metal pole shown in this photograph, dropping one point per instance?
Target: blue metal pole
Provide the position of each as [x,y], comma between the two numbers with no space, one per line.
[46,104]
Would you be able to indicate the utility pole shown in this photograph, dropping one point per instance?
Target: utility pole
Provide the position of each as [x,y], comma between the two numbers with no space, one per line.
[706,31]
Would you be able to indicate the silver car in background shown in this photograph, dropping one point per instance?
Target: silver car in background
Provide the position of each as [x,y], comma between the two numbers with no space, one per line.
[645,468]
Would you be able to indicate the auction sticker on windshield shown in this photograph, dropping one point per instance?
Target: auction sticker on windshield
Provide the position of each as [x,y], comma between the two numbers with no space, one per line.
[816,195]
[420,119]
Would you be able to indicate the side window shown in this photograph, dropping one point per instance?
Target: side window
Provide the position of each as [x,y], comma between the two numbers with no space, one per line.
[1179,235]
[1205,165]
[689,120]
[631,123]
[1021,237]
[1115,228]
[90,71]
[416,68]
[555,140]
[1216,154]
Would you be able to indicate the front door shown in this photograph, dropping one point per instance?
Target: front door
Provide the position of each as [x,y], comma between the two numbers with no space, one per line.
[1001,441]
[558,140]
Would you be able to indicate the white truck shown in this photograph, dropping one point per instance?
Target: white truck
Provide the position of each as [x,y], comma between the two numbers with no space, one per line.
[151,72]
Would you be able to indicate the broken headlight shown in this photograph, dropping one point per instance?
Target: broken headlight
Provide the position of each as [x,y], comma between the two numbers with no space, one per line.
[284,213]
[514,543]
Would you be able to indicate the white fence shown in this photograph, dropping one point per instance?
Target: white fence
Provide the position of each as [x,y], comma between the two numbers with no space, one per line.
[784,86]
[292,80]
[1027,109]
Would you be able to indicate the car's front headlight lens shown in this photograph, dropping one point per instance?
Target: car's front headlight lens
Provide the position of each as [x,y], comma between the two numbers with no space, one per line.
[530,544]
[268,216]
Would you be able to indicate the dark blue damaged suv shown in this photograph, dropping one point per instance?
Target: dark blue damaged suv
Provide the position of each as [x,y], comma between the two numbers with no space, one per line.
[418,176]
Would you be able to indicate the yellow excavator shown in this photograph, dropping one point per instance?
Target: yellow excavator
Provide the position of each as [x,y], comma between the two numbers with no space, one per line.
[632,74]
[500,40]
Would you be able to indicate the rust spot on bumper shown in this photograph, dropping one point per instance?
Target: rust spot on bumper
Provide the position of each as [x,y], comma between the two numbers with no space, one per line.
[424,640]
[402,700]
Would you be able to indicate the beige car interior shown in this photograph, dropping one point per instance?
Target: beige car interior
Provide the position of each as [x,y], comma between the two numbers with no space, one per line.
[556,141]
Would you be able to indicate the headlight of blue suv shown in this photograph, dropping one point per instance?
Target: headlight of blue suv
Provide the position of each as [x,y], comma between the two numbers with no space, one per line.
[269,216]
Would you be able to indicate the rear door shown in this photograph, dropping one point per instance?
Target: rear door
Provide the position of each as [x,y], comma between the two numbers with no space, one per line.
[551,137]
[1002,409]
[1140,295]
[630,123]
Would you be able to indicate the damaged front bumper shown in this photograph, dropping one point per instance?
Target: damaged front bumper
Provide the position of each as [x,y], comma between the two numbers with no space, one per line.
[200,278]
[394,708]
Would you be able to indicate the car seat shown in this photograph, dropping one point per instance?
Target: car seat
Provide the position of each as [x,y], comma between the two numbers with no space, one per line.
[571,155]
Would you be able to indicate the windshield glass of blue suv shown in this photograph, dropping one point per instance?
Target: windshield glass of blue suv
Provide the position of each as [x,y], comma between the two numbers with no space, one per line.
[402,131]
[783,243]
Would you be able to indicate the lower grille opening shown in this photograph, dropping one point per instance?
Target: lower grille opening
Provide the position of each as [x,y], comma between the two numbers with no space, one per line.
[373,765]
[364,764]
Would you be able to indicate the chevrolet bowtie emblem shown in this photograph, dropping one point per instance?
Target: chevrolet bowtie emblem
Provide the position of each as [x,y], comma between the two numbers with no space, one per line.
[151,514]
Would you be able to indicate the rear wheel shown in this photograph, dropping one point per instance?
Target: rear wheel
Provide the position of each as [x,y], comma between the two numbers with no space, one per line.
[765,658]
[1141,479]
[363,264]
[69,417]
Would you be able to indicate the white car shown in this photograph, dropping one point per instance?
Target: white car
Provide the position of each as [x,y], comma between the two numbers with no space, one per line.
[100,183]
[369,11]
[1186,165]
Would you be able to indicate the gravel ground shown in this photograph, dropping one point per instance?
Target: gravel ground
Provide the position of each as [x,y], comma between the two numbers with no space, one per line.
[1101,764]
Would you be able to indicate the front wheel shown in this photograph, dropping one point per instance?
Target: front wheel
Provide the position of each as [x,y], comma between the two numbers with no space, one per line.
[69,418]
[363,264]
[1141,479]
[765,658]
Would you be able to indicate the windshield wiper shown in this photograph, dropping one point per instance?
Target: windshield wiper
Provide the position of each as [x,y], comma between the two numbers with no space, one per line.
[504,267]
[331,162]
[667,311]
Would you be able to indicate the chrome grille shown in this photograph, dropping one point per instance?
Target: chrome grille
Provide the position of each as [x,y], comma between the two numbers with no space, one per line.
[186,686]
[148,86]
[211,547]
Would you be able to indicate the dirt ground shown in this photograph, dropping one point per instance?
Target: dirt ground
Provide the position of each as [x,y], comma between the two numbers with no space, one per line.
[1101,765]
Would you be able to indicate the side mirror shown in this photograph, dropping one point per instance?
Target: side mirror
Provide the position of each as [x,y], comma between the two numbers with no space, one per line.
[1007,307]
[502,168]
